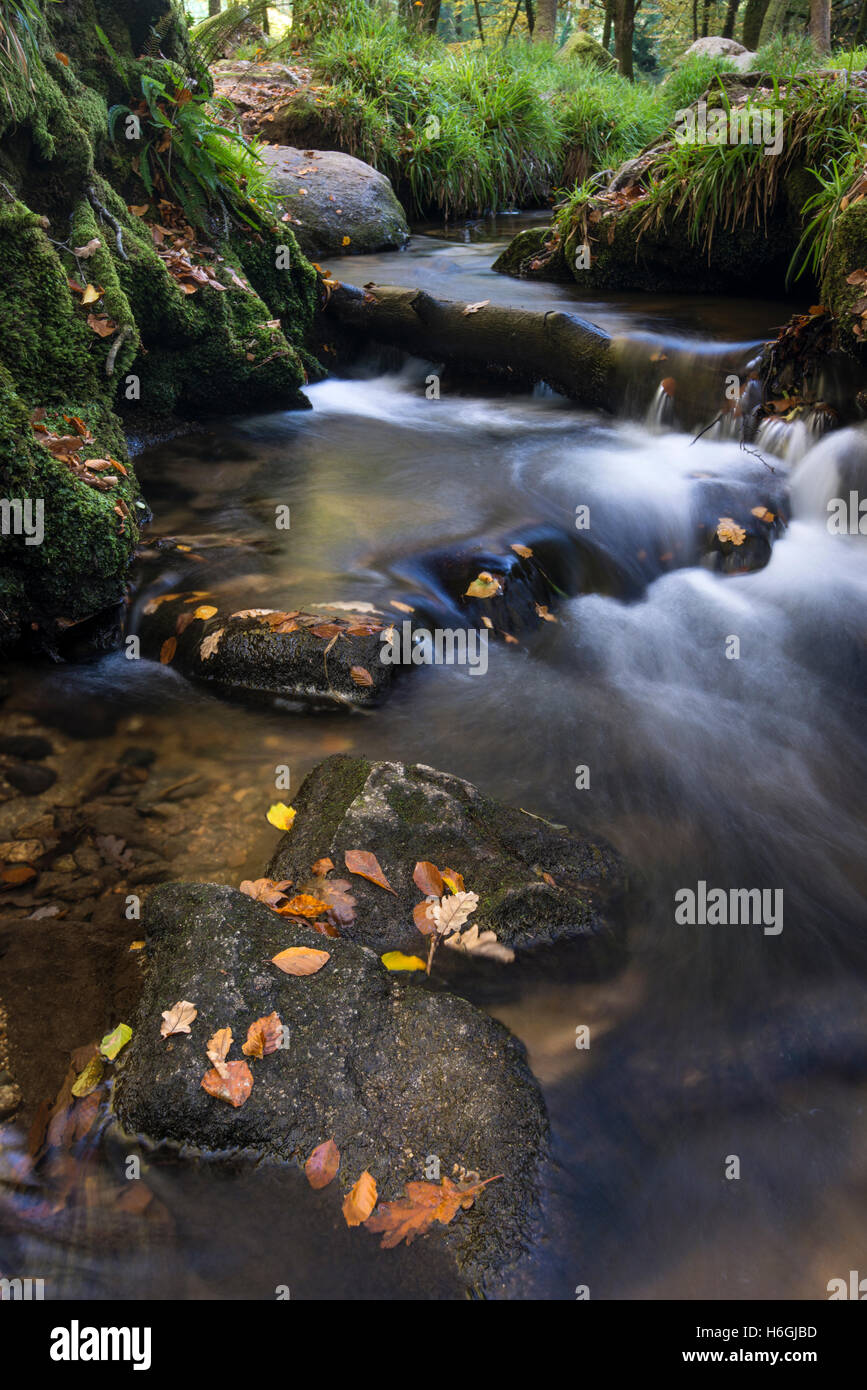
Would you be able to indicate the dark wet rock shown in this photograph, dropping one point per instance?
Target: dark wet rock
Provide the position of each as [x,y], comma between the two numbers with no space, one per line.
[31,779]
[28,746]
[243,653]
[405,813]
[392,1072]
[736,523]
[347,208]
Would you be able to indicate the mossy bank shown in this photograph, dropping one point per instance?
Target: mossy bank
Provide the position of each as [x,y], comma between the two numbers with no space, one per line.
[96,325]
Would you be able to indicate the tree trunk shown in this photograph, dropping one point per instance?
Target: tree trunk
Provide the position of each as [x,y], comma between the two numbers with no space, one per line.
[862,25]
[609,15]
[479,21]
[705,18]
[820,24]
[559,348]
[214,7]
[546,21]
[624,30]
[754,16]
[430,16]
[694,20]
[731,16]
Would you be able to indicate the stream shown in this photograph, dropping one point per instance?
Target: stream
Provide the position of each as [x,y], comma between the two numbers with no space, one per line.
[716,1040]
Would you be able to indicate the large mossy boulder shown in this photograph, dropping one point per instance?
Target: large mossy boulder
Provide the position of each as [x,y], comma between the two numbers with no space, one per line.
[581,47]
[536,882]
[394,1074]
[93,323]
[337,205]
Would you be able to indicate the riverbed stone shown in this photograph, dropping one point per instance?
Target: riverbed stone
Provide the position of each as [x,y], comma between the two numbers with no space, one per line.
[336,204]
[387,1069]
[537,883]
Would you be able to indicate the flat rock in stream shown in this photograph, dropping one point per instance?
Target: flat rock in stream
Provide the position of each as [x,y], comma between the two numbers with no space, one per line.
[389,1071]
[404,813]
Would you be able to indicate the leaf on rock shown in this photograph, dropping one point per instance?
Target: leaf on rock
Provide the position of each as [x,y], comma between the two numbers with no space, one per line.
[422,915]
[102,326]
[523,550]
[300,960]
[265,890]
[206,610]
[360,1200]
[218,1048]
[322,1165]
[210,644]
[178,1018]
[84,253]
[428,879]
[728,530]
[304,905]
[763,514]
[167,650]
[322,867]
[454,880]
[361,676]
[474,308]
[484,586]
[114,1041]
[280,815]
[264,1036]
[235,1086]
[396,960]
[423,1204]
[451,913]
[366,865]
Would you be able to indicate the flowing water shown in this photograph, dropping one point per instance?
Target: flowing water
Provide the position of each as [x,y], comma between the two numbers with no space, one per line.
[717,1040]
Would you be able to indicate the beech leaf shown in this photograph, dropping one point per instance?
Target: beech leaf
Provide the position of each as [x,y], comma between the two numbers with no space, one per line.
[366,865]
[235,1086]
[178,1018]
[360,1200]
[322,1165]
[300,960]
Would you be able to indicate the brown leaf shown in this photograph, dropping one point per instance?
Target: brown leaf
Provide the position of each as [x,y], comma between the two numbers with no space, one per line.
[300,960]
[101,325]
[265,890]
[234,1087]
[178,1018]
[304,905]
[523,550]
[322,1165]
[360,1200]
[474,308]
[424,1203]
[366,865]
[264,1036]
[428,879]
[322,867]
[218,1048]
[423,918]
[361,676]
[168,649]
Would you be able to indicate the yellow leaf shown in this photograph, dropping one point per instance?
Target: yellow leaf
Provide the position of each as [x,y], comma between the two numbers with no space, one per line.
[89,1079]
[91,294]
[205,611]
[728,530]
[346,240]
[396,960]
[281,816]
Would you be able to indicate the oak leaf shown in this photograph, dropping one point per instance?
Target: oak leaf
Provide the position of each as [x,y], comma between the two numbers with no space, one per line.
[178,1018]
[450,914]
[304,905]
[423,1204]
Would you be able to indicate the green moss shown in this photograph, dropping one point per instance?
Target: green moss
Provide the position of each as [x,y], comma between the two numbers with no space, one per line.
[848,252]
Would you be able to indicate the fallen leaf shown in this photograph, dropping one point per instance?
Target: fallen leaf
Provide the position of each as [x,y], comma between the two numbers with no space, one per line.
[763,514]
[280,816]
[210,644]
[235,1086]
[543,613]
[474,308]
[114,1041]
[322,1165]
[396,960]
[300,960]
[360,1200]
[366,865]
[361,676]
[88,1079]
[477,943]
[401,607]
[83,253]
[265,890]
[728,530]
[484,586]
[423,918]
[218,1049]
[101,325]
[304,905]
[423,1204]
[523,550]
[453,880]
[206,610]
[322,867]
[452,912]
[264,1036]
[91,294]
[178,1018]
[428,879]
[167,650]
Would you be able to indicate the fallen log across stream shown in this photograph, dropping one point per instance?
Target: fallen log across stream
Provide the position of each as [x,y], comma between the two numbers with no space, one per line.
[570,354]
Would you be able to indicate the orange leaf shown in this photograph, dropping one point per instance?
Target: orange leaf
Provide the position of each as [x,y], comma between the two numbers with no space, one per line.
[304,905]
[234,1087]
[168,649]
[424,1203]
[360,1200]
[300,960]
[322,867]
[264,1036]
[366,865]
[361,676]
[422,918]
[428,879]
[322,1165]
